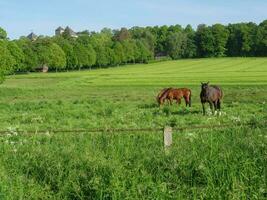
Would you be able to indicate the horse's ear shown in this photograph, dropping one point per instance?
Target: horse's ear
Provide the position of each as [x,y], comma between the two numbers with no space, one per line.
[208,82]
[201,83]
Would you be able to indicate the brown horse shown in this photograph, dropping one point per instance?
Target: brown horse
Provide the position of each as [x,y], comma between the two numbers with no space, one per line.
[160,94]
[177,94]
[211,94]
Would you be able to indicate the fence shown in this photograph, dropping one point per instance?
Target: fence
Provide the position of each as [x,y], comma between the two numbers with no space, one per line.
[167,131]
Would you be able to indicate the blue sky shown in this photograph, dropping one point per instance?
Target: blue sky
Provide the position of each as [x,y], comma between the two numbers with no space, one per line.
[20,17]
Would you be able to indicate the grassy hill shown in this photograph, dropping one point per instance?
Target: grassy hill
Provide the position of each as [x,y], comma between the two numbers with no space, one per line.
[226,163]
[81,99]
[225,71]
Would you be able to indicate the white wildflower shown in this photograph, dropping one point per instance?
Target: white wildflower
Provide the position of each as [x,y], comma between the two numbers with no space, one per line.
[47,133]
[209,112]
[201,167]
[190,134]
[235,119]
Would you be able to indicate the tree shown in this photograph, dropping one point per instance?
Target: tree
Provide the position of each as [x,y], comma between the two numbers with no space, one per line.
[87,51]
[175,28]
[176,45]
[67,46]
[248,32]
[91,56]
[122,35]
[129,47]
[242,39]
[150,39]
[261,41]
[220,35]
[50,54]
[234,43]
[3,34]
[102,58]
[204,41]
[30,56]
[191,49]
[119,54]
[57,57]
[7,61]
[144,53]
[18,56]
[81,55]
[162,34]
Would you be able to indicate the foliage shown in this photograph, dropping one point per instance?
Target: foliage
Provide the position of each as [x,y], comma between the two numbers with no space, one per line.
[136,45]
[176,43]
[50,54]
[7,61]
[220,34]
[261,42]
[3,34]
[30,55]
[18,55]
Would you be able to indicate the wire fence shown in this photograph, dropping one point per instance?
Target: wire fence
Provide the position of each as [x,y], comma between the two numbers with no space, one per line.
[128,130]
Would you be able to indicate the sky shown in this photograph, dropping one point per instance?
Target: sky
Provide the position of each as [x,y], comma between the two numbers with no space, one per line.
[20,17]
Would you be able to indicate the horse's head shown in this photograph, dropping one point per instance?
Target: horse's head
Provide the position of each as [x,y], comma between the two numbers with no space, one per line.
[204,86]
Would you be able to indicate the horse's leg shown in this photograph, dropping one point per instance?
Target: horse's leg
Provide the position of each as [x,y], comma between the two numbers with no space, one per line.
[186,101]
[215,107]
[219,106]
[190,102]
[203,107]
[170,101]
[211,107]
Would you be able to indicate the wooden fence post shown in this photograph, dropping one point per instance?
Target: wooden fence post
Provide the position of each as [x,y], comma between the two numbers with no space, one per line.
[167,138]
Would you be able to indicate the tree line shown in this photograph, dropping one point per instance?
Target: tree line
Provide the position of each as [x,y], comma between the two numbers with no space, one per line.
[135,45]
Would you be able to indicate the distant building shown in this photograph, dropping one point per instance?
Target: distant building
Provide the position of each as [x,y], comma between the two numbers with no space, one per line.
[67,30]
[43,69]
[59,31]
[32,36]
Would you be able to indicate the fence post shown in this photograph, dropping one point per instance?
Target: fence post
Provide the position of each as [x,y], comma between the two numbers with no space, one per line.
[167,138]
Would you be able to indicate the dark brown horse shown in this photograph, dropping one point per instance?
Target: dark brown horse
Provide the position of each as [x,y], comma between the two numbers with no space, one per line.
[176,94]
[211,94]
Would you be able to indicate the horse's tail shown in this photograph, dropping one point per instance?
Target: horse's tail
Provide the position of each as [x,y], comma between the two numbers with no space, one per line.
[190,102]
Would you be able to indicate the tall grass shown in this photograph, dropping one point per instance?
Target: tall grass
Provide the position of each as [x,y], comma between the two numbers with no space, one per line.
[204,164]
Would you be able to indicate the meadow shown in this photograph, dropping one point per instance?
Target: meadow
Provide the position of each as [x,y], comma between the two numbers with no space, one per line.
[225,163]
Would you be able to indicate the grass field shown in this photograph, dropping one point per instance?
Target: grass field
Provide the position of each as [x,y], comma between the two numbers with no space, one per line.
[229,163]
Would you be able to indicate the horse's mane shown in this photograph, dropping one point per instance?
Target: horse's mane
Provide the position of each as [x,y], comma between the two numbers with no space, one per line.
[165,93]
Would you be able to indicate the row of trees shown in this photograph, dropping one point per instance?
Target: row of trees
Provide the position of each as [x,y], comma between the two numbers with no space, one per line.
[136,45]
